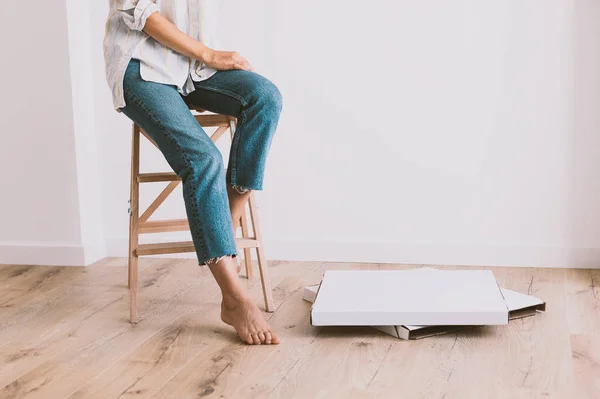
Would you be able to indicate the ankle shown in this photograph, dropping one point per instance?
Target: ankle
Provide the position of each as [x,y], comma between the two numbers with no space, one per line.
[233,300]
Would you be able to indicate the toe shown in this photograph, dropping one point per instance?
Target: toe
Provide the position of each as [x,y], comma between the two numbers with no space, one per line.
[255,339]
[275,338]
[248,339]
[262,338]
[268,338]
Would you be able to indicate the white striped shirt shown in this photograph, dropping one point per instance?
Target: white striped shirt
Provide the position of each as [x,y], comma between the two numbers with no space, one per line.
[125,40]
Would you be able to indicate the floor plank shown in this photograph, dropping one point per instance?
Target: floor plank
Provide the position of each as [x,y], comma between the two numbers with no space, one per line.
[87,333]
[583,301]
[59,322]
[586,365]
[64,333]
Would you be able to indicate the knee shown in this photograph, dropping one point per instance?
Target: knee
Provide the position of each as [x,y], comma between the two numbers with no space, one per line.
[275,98]
[268,96]
[203,164]
[213,159]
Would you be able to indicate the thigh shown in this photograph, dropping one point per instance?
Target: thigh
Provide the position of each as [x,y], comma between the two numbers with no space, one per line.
[230,92]
[162,113]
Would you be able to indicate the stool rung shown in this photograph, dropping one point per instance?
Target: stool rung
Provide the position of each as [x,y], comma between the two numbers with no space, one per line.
[186,246]
[247,243]
[165,248]
[163,226]
[211,120]
[157,177]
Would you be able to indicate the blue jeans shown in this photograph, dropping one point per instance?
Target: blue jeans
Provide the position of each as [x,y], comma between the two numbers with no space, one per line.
[164,114]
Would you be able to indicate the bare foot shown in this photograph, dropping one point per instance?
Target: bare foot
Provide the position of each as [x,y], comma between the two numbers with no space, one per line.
[248,321]
[237,309]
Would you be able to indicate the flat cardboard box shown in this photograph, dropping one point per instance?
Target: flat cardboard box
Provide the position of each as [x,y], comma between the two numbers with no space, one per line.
[519,306]
[409,297]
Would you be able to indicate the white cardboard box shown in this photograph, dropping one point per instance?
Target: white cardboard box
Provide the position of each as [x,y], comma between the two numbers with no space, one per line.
[409,297]
[519,306]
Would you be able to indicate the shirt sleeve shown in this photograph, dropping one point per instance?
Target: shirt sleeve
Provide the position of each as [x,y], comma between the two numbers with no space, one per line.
[136,12]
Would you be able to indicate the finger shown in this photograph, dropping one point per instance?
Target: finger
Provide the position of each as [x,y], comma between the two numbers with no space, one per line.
[244,62]
[247,66]
[241,62]
[243,65]
[237,57]
[237,65]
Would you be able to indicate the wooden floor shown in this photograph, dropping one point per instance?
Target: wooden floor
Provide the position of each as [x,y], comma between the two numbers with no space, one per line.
[64,333]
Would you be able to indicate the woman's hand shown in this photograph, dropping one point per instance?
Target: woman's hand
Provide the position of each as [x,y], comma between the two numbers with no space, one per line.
[163,31]
[225,60]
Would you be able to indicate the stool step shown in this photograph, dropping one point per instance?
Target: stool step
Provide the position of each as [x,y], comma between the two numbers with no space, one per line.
[157,177]
[186,246]
[212,120]
[165,248]
[163,226]
[247,243]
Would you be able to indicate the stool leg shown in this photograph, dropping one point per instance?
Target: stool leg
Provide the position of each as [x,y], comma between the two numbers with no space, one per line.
[247,255]
[262,261]
[133,224]
[244,219]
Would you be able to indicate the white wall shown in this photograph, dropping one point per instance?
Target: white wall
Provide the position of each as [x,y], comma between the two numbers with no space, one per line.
[39,212]
[51,209]
[432,132]
[436,132]
[84,116]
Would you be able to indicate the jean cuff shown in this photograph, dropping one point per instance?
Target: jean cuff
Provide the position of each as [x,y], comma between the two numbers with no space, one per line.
[217,259]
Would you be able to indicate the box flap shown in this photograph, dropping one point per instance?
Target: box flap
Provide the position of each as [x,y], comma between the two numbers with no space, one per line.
[430,331]
[517,301]
[318,287]
[389,330]
[310,293]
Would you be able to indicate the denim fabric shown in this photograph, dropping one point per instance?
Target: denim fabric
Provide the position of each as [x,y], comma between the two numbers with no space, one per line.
[163,113]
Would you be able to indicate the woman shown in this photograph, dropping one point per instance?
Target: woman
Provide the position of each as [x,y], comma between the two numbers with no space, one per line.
[157,62]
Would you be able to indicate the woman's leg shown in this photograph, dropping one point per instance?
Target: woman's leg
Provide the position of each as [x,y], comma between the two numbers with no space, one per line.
[237,204]
[256,103]
[162,113]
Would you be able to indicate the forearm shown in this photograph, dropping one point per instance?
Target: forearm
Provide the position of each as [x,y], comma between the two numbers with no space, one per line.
[163,31]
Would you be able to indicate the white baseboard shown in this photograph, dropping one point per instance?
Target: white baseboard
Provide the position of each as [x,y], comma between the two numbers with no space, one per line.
[54,254]
[60,254]
[389,252]
[464,255]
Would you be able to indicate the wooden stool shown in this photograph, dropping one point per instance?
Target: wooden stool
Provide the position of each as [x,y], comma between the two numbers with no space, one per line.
[142,225]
